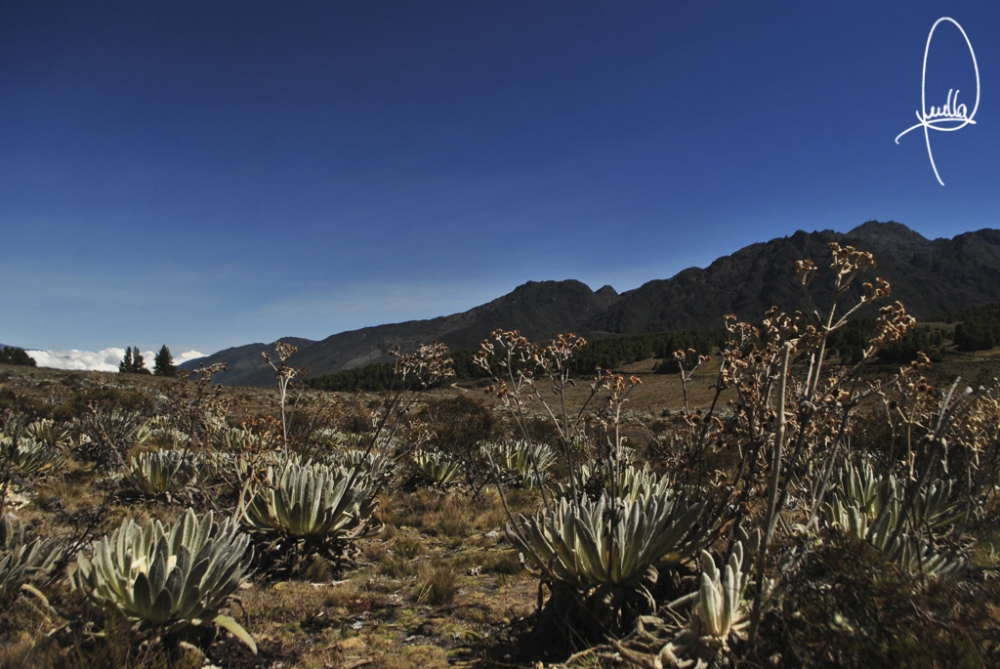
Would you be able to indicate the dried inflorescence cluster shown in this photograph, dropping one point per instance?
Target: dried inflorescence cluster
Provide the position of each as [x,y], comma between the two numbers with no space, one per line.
[430,365]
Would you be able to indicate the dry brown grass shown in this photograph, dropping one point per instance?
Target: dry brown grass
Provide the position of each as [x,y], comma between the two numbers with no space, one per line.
[438,584]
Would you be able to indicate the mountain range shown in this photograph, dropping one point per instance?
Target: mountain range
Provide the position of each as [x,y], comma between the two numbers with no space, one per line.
[930,277]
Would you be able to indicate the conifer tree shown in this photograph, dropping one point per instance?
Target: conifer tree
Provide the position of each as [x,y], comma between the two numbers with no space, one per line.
[132,363]
[125,366]
[163,363]
[138,364]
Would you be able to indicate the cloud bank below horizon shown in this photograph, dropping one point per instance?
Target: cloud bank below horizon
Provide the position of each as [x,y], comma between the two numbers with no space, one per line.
[105,360]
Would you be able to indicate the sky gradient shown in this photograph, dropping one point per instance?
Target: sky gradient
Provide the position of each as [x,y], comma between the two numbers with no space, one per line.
[209,174]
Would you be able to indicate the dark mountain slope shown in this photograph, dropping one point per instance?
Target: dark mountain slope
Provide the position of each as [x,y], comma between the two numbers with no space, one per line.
[538,309]
[929,277]
[244,361]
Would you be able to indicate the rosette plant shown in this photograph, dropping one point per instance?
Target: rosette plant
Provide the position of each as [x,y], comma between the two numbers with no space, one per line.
[30,456]
[719,613]
[317,503]
[530,461]
[871,508]
[165,578]
[160,472]
[436,468]
[20,561]
[599,557]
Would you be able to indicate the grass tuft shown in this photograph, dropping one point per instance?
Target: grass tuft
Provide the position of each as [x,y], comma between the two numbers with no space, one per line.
[437,585]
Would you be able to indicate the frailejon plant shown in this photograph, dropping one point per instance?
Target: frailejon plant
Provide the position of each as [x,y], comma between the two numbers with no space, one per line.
[373,465]
[46,431]
[719,613]
[284,374]
[30,456]
[194,406]
[164,434]
[238,458]
[597,548]
[320,504]
[393,432]
[436,468]
[155,473]
[599,557]
[871,508]
[23,456]
[521,370]
[529,461]
[631,484]
[165,578]
[110,433]
[786,420]
[20,561]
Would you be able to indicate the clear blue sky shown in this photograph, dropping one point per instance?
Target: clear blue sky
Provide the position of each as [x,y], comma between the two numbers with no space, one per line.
[208,174]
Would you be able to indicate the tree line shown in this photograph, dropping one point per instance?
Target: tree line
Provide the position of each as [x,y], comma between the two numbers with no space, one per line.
[133,362]
[12,355]
[850,341]
[606,353]
[978,328]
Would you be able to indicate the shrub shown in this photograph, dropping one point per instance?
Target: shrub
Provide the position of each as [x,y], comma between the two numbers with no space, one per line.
[110,398]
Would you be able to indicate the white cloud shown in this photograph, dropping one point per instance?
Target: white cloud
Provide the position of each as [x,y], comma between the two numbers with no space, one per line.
[105,360]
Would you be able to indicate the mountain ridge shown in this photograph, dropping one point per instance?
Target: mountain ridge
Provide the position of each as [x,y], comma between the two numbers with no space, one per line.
[929,276]
[539,309]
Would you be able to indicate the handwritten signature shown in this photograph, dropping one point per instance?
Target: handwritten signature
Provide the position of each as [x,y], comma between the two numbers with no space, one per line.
[942,118]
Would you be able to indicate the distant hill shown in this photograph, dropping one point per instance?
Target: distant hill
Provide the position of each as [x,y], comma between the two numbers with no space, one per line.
[244,361]
[538,308]
[929,277]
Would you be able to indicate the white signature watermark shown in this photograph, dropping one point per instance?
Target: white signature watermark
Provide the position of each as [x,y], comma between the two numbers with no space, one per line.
[950,117]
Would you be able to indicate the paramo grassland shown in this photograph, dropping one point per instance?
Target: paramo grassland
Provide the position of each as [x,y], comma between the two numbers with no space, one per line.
[792,498]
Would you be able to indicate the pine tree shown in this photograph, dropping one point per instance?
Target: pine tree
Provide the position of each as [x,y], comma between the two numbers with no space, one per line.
[138,364]
[163,363]
[125,366]
[132,363]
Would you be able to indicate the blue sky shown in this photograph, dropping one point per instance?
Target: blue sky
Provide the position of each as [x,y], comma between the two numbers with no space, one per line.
[209,174]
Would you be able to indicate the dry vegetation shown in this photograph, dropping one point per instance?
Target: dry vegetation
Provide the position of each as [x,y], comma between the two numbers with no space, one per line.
[770,508]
